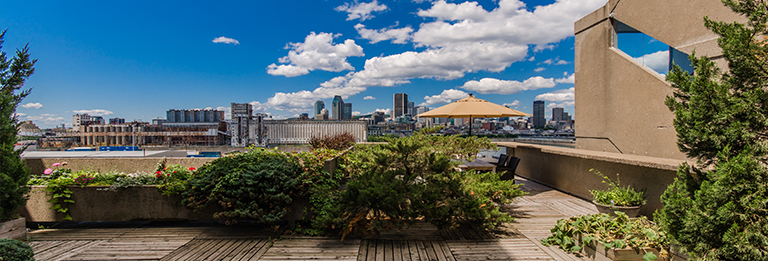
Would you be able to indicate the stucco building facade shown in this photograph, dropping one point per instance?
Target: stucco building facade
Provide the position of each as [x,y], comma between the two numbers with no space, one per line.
[619,101]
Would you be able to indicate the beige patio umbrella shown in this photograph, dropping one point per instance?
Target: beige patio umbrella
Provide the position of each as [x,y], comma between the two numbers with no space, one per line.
[472,107]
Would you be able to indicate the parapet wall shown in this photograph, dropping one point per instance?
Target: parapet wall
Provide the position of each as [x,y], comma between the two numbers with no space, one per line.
[567,170]
[103,165]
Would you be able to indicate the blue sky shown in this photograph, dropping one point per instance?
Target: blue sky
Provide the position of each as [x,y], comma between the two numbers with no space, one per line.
[138,59]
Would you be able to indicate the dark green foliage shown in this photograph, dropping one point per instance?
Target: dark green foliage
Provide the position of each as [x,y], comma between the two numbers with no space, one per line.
[13,172]
[382,138]
[613,232]
[14,250]
[392,185]
[336,142]
[259,185]
[716,210]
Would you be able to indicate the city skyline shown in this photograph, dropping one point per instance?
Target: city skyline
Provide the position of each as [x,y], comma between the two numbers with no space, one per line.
[146,57]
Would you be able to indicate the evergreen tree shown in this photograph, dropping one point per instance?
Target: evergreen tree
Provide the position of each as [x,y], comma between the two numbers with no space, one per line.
[718,208]
[13,172]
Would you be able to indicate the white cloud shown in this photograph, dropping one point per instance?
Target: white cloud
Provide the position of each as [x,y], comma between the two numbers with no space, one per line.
[509,22]
[564,95]
[542,47]
[385,111]
[361,11]
[560,105]
[19,114]
[31,105]
[539,69]
[658,61]
[355,113]
[562,62]
[515,103]
[446,96]
[369,98]
[316,52]
[226,40]
[94,112]
[458,39]
[570,79]
[46,119]
[491,85]
[398,35]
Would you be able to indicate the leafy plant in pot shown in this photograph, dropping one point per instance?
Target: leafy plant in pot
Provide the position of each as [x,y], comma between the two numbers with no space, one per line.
[617,198]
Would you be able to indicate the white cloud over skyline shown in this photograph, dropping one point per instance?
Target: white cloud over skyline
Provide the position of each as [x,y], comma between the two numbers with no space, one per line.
[369,98]
[447,96]
[514,103]
[32,105]
[461,38]
[226,40]
[496,86]
[563,95]
[94,112]
[317,52]
[362,11]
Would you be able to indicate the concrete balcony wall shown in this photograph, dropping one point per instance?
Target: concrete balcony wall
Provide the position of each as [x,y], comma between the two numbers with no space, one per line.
[567,170]
[104,165]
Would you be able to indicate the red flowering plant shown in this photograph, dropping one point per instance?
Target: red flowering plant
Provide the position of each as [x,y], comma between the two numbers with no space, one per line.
[173,178]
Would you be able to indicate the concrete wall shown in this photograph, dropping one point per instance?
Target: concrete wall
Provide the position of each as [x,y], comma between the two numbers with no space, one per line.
[622,100]
[567,170]
[103,165]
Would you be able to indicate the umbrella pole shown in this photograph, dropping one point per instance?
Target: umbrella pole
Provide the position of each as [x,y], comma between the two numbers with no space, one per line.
[470,125]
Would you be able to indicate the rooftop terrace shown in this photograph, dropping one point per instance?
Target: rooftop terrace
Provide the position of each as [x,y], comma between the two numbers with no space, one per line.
[535,214]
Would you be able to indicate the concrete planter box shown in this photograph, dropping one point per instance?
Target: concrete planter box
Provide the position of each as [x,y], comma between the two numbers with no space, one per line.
[13,229]
[137,203]
[630,211]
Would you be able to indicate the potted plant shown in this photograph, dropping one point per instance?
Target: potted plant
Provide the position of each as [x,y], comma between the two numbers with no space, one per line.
[617,198]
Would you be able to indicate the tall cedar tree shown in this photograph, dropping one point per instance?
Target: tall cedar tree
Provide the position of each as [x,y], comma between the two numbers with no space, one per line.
[717,209]
[13,172]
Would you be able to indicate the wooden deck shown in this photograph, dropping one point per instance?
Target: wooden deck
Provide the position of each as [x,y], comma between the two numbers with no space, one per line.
[535,214]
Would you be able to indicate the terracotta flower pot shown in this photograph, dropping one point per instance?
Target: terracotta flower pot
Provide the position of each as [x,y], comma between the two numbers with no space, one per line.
[630,211]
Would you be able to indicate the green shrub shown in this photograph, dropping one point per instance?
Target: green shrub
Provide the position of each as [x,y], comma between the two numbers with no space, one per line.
[14,174]
[716,208]
[259,184]
[408,179]
[616,195]
[14,250]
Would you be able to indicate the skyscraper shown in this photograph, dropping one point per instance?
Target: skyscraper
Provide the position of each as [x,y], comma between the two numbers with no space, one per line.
[410,109]
[400,105]
[557,114]
[319,106]
[347,111]
[538,115]
[337,108]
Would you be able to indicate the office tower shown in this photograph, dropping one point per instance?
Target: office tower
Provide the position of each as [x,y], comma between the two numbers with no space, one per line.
[410,109]
[337,108]
[557,114]
[377,117]
[319,106]
[347,111]
[323,115]
[79,119]
[538,115]
[400,105]
[239,125]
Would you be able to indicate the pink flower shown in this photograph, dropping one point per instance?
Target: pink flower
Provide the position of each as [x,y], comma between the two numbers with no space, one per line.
[56,164]
[64,163]
[48,171]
